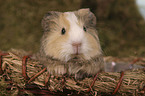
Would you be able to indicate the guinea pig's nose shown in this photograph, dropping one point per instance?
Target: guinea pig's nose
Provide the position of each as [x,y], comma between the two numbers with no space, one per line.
[76,48]
[76,44]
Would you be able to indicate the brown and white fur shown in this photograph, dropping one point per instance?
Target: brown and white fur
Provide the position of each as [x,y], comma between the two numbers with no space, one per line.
[79,40]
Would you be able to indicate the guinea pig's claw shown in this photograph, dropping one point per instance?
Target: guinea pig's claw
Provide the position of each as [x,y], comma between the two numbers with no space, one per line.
[57,70]
[80,75]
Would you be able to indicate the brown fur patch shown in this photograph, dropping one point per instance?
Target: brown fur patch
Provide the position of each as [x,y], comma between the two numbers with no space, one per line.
[55,39]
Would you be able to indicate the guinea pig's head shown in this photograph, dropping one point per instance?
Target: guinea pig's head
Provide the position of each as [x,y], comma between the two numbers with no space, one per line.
[70,34]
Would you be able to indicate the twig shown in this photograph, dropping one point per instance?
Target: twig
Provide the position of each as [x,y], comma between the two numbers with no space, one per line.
[36,75]
[47,80]
[2,54]
[136,60]
[119,83]
[24,68]
[93,82]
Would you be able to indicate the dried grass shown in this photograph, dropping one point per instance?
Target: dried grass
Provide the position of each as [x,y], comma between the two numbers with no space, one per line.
[133,80]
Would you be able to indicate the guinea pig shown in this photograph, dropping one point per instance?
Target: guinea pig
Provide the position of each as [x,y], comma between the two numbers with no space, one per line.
[71,36]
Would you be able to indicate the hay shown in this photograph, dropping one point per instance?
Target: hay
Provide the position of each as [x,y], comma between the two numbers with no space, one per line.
[132,84]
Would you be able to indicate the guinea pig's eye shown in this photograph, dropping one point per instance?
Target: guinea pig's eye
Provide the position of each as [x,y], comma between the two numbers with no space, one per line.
[63,31]
[84,28]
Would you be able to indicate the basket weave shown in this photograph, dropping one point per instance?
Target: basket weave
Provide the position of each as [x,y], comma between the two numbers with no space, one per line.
[133,81]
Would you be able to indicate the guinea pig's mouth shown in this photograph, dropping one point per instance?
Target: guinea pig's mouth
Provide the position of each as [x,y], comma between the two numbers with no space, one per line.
[76,53]
[77,56]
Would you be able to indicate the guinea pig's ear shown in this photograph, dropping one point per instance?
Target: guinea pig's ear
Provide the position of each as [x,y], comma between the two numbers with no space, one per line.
[47,18]
[88,14]
[84,11]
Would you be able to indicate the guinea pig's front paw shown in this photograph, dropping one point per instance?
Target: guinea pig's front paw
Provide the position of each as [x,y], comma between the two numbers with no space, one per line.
[57,70]
[80,75]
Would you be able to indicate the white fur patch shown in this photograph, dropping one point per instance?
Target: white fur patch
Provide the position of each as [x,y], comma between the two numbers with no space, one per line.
[76,31]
